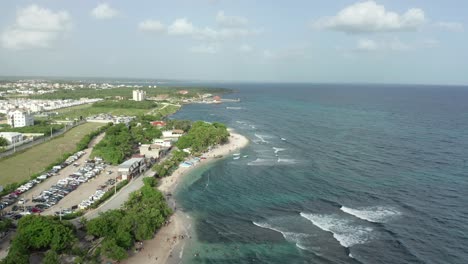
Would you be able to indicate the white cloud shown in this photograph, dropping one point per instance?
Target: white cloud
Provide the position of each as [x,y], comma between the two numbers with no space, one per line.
[450,26]
[368,17]
[230,21]
[151,25]
[104,11]
[245,48]
[35,27]
[181,26]
[369,45]
[208,49]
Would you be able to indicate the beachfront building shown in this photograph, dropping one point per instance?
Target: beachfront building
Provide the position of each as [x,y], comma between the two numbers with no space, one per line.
[139,95]
[158,124]
[131,168]
[12,137]
[165,143]
[176,133]
[151,151]
[20,118]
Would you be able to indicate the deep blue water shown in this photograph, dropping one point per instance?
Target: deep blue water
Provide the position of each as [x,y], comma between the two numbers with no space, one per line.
[366,174]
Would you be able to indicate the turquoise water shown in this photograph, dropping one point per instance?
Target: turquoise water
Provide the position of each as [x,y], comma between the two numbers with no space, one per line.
[334,174]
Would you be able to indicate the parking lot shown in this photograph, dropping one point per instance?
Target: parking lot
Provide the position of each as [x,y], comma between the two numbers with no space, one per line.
[62,189]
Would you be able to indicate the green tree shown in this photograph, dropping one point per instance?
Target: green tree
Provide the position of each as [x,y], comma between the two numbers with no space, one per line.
[51,257]
[3,142]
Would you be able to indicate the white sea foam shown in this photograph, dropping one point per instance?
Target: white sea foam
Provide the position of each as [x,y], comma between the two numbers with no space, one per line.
[234,107]
[375,214]
[262,162]
[347,233]
[261,137]
[278,149]
[287,161]
[292,237]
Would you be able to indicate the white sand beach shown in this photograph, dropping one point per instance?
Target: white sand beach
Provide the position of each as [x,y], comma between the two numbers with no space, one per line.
[167,245]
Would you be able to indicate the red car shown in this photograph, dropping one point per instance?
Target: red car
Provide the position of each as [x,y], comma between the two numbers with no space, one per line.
[36,210]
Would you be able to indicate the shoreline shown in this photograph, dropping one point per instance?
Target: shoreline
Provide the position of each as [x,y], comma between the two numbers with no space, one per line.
[167,246]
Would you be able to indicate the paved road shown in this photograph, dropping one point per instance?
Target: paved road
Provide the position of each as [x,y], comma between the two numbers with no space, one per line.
[121,197]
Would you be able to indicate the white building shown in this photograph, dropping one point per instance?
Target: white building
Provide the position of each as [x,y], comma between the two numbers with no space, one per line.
[131,168]
[139,95]
[12,137]
[20,118]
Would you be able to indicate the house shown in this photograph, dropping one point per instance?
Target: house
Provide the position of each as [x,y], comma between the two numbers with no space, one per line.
[176,133]
[166,143]
[216,99]
[183,92]
[12,137]
[151,151]
[20,118]
[158,123]
[131,168]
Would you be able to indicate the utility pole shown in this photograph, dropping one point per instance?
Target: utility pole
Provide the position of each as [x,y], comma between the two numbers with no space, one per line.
[115,186]
[50,131]
[60,214]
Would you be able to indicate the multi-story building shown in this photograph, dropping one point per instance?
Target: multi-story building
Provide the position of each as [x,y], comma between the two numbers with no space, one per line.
[20,118]
[139,95]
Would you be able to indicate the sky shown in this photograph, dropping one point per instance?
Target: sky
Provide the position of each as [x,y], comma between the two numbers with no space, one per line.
[339,41]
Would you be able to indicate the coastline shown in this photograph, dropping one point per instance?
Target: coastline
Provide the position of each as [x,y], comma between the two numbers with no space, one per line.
[168,243]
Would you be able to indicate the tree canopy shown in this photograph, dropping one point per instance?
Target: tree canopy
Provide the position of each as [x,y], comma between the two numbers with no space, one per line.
[203,135]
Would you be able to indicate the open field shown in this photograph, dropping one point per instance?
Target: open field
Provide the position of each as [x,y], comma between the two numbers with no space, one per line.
[34,160]
[89,110]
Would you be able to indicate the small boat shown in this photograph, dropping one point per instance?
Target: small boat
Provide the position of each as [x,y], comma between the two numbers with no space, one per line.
[283,139]
[236,158]
[245,156]
[236,154]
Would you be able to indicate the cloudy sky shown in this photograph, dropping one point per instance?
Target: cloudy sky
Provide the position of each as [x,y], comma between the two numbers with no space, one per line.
[384,41]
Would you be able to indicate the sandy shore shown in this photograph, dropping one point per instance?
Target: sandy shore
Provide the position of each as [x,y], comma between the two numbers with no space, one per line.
[168,244]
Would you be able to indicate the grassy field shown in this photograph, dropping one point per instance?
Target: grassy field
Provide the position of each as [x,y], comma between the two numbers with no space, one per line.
[34,160]
[89,110]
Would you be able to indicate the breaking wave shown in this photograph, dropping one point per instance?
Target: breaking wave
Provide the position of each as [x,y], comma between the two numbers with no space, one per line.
[292,237]
[374,214]
[344,231]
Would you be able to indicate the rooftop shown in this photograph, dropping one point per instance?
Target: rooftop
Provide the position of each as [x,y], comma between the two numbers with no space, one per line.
[130,162]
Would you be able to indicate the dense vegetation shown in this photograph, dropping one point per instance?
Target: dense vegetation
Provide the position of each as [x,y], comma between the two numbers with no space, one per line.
[3,142]
[184,125]
[139,218]
[5,224]
[168,166]
[39,233]
[202,135]
[126,104]
[116,145]
[120,140]
[40,126]
[126,92]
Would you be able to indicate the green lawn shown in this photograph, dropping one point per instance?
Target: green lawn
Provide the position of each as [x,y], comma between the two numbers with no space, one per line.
[89,110]
[35,159]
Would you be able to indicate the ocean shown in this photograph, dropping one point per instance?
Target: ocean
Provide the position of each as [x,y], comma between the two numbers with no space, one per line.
[334,173]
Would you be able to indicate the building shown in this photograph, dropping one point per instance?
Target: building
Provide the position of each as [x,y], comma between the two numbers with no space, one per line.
[151,151]
[176,133]
[166,143]
[158,123]
[131,168]
[12,137]
[139,95]
[19,118]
